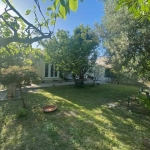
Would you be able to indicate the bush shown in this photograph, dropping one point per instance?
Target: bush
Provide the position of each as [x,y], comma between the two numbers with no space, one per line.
[144,100]
[21,113]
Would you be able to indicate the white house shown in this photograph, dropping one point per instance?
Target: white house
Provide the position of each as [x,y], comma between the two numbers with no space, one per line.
[98,72]
[49,73]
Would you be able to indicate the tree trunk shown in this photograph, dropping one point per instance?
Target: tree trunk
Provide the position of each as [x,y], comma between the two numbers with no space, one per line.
[23,103]
[81,78]
[80,81]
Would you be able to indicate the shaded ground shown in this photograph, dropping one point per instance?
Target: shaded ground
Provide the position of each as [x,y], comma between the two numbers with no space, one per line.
[83,120]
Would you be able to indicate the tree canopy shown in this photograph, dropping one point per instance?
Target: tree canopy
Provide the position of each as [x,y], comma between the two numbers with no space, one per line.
[18,75]
[139,8]
[125,39]
[17,54]
[15,28]
[73,54]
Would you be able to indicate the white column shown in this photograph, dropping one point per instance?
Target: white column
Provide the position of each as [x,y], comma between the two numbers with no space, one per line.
[54,70]
[49,70]
[58,74]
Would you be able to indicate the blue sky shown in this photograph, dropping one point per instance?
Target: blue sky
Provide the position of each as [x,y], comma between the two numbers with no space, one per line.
[89,12]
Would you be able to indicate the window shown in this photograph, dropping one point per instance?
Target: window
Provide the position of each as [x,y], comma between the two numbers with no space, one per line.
[46,70]
[50,70]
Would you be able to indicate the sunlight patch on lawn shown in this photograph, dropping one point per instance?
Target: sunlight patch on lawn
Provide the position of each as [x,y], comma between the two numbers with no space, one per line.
[12,136]
[82,121]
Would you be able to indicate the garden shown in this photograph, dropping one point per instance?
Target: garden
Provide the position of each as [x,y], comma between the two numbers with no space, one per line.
[108,116]
[84,119]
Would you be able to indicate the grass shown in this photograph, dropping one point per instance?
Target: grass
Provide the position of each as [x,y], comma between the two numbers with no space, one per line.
[83,120]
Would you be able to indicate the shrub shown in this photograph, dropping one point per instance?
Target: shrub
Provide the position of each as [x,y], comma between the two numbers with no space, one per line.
[18,75]
[21,113]
[145,100]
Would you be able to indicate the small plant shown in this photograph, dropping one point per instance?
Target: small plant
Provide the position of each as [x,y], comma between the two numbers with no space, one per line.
[18,75]
[144,100]
[21,113]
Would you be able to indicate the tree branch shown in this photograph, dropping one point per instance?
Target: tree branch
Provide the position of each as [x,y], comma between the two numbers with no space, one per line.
[30,29]
[6,41]
[10,26]
[38,5]
[20,16]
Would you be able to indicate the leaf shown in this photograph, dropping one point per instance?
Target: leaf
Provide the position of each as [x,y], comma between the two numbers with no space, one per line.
[49,8]
[28,12]
[47,13]
[62,2]
[73,5]
[53,15]
[34,7]
[53,22]
[67,7]
[6,16]
[56,2]
[62,12]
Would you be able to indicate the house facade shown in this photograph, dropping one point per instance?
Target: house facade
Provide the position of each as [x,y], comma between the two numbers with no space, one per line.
[49,73]
[98,72]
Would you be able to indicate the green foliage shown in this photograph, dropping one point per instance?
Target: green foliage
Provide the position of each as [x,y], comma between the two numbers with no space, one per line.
[17,54]
[74,53]
[139,8]
[21,113]
[10,24]
[144,100]
[73,5]
[16,74]
[15,28]
[28,12]
[19,75]
[63,7]
[126,41]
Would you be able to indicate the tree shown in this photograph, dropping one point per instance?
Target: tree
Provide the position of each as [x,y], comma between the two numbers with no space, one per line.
[18,54]
[15,28]
[18,75]
[126,40]
[74,54]
[139,8]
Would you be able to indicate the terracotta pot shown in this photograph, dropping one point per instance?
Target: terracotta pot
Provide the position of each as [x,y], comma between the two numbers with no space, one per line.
[49,108]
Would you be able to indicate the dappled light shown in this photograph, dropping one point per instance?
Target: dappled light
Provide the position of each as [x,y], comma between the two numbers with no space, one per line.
[83,120]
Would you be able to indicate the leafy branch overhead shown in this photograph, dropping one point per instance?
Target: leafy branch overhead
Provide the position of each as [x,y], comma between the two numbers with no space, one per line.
[140,8]
[63,7]
[15,28]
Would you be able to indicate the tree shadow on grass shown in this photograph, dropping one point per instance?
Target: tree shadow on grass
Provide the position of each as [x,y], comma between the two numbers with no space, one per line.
[93,97]
[127,128]
[75,125]
[69,127]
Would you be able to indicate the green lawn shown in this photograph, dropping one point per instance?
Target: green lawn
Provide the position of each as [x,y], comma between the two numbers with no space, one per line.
[83,120]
